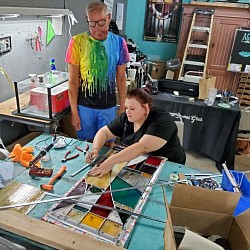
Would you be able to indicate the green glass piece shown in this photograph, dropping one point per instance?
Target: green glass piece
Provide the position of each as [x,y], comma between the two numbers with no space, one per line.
[128,197]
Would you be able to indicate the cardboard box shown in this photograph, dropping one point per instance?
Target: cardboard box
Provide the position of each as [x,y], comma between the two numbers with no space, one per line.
[158,70]
[208,212]
[59,98]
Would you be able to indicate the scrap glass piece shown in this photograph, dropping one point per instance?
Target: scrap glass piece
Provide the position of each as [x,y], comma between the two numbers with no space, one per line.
[16,193]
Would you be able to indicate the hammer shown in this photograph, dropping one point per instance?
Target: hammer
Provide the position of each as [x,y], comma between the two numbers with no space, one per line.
[49,185]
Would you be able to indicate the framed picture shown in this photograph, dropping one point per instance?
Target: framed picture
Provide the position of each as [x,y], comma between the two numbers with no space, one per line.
[162,20]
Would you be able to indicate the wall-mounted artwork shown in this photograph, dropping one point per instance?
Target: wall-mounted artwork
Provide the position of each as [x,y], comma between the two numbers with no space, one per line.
[162,20]
[107,205]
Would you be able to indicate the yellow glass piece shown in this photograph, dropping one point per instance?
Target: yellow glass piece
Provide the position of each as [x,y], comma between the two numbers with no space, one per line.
[104,182]
[93,220]
[98,182]
[111,228]
[146,175]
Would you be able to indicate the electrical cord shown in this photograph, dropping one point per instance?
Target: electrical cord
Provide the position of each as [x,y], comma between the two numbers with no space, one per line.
[4,73]
[43,140]
[61,142]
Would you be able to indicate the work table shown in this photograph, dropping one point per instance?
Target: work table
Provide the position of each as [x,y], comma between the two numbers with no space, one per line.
[147,234]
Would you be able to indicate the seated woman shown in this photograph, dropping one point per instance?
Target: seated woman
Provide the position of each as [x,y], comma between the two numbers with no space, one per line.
[143,129]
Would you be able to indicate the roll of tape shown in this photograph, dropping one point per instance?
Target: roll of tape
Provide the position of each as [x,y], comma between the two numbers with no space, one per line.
[174,177]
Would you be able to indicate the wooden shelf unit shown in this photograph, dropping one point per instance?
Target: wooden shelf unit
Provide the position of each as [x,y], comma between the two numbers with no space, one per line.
[226,21]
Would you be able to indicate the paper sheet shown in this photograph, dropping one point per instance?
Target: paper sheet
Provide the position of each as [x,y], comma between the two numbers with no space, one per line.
[109,4]
[57,25]
[193,241]
[119,15]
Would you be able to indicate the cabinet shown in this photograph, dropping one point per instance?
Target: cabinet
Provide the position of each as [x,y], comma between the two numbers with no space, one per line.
[226,21]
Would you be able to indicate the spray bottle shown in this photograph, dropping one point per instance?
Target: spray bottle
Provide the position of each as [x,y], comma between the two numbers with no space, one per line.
[52,65]
[52,70]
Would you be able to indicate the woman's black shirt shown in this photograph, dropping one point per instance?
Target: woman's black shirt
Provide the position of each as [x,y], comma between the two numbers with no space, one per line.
[158,123]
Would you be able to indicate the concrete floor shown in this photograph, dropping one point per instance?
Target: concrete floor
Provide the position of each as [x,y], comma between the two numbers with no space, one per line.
[200,161]
[196,160]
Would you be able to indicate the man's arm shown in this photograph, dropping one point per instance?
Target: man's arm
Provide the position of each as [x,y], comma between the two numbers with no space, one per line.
[74,83]
[121,86]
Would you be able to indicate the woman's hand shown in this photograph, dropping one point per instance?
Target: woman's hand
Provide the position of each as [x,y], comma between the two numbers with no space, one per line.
[93,154]
[101,169]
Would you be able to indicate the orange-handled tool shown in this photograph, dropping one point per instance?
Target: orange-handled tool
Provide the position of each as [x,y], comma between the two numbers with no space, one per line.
[49,185]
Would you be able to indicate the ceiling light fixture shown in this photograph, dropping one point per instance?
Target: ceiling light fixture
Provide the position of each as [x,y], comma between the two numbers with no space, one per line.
[3,16]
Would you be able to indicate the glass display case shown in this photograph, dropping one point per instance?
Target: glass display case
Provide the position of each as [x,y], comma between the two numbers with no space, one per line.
[42,96]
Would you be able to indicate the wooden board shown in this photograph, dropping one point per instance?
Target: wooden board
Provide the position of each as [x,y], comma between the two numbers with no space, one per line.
[48,234]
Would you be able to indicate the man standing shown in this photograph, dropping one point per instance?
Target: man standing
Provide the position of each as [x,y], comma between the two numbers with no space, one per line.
[97,61]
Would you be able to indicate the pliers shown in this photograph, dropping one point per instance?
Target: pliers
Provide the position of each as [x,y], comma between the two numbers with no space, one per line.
[82,150]
[66,158]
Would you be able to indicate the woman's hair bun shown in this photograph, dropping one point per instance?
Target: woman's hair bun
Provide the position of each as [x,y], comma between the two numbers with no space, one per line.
[146,89]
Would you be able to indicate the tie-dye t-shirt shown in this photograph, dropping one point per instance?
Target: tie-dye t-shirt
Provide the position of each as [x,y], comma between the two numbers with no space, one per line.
[98,61]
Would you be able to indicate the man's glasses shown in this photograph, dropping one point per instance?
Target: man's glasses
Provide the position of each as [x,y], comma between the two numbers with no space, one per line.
[100,23]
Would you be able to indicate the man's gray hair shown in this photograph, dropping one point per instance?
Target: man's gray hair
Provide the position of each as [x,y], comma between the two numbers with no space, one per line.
[97,7]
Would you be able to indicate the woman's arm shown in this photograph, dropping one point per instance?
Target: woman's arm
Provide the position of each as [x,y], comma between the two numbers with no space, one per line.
[103,135]
[146,144]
